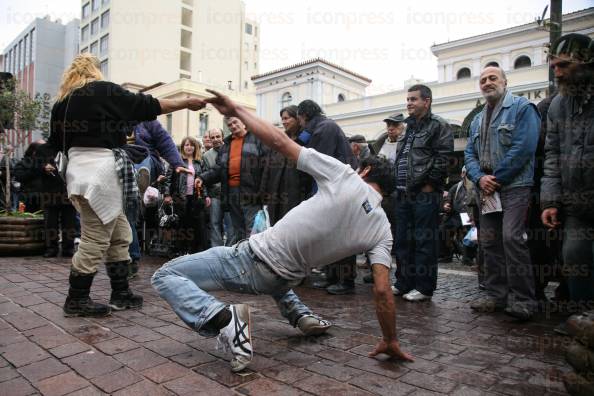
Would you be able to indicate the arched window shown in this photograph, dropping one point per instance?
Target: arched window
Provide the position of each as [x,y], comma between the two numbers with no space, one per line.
[341,97]
[522,61]
[463,73]
[492,63]
[286,100]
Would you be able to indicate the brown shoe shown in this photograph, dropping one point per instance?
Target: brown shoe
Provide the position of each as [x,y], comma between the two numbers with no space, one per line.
[582,328]
[580,358]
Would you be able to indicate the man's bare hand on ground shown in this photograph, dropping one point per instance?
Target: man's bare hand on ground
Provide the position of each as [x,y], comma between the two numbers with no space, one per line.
[391,349]
[222,103]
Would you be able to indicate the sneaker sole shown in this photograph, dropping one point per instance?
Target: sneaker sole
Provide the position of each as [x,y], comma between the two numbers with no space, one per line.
[80,314]
[241,310]
[316,330]
[120,308]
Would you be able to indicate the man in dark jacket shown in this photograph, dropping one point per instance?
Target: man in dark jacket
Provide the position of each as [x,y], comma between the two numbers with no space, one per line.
[567,186]
[152,135]
[325,136]
[219,220]
[421,170]
[59,214]
[239,168]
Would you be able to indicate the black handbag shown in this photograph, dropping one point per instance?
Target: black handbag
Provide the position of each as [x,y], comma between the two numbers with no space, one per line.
[61,159]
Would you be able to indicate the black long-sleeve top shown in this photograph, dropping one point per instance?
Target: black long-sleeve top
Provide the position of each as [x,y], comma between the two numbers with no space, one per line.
[99,115]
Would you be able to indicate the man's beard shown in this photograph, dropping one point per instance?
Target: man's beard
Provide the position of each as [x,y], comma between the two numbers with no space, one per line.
[577,84]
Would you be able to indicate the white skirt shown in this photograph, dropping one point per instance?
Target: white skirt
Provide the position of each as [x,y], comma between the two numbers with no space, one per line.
[91,173]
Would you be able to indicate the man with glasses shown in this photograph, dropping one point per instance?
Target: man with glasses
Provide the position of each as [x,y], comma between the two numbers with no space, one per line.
[567,187]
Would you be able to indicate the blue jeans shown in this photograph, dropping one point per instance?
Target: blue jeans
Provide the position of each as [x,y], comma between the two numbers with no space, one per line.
[132,216]
[185,281]
[132,211]
[242,216]
[215,230]
[417,240]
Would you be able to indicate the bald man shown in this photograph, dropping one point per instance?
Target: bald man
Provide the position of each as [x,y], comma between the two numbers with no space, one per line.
[499,159]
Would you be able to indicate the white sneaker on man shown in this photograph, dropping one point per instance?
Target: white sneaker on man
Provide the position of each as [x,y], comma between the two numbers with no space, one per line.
[415,295]
[237,337]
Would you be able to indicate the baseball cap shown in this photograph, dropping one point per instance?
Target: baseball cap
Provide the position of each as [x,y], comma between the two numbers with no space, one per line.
[357,139]
[398,117]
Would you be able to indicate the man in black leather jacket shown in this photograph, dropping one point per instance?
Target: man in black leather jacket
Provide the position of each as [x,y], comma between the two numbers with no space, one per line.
[421,169]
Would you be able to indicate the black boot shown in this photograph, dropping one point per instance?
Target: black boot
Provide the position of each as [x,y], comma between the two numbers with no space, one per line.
[78,302]
[121,295]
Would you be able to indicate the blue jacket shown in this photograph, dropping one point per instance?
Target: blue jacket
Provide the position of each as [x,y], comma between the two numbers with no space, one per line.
[152,135]
[515,131]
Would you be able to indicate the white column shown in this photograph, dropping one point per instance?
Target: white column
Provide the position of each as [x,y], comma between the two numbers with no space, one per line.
[476,66]
[537,56]
[450,71]
[441,73]
[505,61]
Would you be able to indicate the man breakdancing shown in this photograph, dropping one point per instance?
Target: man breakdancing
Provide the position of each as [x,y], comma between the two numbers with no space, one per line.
[343,218]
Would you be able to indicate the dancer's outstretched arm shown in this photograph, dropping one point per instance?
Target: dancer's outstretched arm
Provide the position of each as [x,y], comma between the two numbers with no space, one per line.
[270,135]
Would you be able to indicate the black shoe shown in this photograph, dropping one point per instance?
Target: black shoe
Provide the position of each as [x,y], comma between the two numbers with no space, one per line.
[133,269]
[125,300]
[51,252]
[368,278]
[121,295]
[447,259]
[85,307]
[342,288]
[78,302]
[520,313]
[321,284]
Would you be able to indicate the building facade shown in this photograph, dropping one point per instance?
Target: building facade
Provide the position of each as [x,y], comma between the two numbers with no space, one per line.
[145,42]
[315,79]
[37,58]
[520,51]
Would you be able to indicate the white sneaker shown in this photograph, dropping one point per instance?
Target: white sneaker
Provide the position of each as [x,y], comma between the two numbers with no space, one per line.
[236,337]
[415,295]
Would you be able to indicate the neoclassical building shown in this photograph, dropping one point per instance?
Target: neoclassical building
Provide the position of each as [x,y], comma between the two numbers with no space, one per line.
[521,51]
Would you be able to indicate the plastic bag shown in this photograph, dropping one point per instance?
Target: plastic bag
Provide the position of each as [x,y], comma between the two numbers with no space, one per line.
[471,238]
[261,221]
[151,196]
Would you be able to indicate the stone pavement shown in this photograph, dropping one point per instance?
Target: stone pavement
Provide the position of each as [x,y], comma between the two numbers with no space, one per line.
[151,352]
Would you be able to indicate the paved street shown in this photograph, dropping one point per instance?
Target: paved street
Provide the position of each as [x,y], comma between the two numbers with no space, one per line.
[151,352]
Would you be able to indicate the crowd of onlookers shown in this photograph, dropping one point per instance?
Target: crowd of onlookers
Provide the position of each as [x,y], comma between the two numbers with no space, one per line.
[525,184]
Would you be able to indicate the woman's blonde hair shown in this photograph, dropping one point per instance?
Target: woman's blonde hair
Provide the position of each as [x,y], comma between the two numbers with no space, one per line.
[84,68]
[193,142]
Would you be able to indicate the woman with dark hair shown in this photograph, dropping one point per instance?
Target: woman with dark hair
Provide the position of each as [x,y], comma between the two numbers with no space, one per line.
[89,122]
[283,186]
[28,174]
[188,203]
